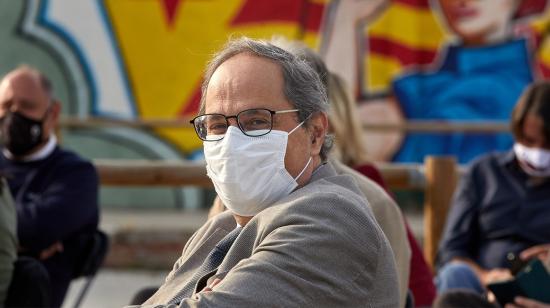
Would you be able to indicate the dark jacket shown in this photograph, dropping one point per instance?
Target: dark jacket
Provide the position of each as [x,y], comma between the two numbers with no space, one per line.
[56,199]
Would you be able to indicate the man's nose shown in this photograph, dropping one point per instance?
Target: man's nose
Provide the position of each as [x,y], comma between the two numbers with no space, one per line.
[7,109]
[11,106]
[233,122]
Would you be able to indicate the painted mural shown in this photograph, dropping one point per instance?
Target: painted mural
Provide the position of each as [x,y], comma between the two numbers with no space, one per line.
[447,60]
[406,60]
[144,59]
[128,59]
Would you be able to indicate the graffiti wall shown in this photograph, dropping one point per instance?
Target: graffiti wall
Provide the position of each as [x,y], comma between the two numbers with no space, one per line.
[144,59]
[448,60]
[128,59]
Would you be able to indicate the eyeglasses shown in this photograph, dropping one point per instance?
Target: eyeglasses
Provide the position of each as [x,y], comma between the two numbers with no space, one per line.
[252,122]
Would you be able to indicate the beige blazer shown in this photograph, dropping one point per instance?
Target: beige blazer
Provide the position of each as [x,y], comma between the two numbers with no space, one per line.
[389,217]
[318,247]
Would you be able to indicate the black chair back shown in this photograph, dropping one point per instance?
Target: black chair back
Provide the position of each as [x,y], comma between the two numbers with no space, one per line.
[93,255]
[96,248]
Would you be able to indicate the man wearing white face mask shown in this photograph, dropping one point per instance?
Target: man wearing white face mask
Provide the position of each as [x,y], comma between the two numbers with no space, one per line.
[501,211]
[296,233]
[255,177]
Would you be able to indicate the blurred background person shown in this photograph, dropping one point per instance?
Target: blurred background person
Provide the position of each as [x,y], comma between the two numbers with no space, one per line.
[349,149]
[459,298]
[55,191]
[500,209]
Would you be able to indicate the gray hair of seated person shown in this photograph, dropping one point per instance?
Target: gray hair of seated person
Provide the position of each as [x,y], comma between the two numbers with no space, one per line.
[302,86]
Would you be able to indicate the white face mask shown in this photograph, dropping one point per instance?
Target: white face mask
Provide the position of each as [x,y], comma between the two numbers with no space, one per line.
[249,173]
[534,161]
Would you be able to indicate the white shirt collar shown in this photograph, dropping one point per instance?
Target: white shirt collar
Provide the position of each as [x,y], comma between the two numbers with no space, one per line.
[44,152]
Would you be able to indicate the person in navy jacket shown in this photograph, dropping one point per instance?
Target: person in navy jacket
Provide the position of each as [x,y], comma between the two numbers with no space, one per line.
[55,191]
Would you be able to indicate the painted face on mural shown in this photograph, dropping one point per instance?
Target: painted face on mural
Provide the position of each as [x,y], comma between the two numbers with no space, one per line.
[479,22]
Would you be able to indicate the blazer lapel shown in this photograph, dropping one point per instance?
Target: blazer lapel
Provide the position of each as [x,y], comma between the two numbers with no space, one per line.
[241,249]
[178,277]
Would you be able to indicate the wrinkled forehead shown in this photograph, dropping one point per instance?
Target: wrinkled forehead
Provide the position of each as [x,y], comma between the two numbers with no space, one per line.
[245,81]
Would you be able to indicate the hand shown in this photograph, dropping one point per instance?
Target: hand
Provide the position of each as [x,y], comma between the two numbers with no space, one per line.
[50,251]
[382,145]
[522,302]
[494,275]
[539,251]
[208,288]
[212,285]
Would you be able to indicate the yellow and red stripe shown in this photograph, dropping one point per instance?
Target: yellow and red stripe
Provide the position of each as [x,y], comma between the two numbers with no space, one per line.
[406,34]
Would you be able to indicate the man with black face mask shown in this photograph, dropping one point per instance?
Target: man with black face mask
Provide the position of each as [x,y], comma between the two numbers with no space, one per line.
[21,134]
[55,191]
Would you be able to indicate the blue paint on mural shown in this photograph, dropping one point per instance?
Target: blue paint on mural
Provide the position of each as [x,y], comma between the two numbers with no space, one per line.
[472,84]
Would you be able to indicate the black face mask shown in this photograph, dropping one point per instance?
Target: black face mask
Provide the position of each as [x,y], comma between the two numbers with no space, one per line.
[20,134]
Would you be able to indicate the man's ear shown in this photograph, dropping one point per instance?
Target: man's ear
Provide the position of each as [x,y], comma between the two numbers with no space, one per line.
[318,127]
[55,111]
[52,119]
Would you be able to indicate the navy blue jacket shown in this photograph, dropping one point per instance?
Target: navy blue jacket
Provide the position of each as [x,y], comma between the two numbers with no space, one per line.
[56,199]
[497,209]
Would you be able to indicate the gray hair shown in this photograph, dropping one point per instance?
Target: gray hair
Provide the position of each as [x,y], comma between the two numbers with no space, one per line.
[302,85]
[301,50]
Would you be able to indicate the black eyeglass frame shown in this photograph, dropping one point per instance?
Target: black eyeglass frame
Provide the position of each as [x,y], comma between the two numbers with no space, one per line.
[236,117]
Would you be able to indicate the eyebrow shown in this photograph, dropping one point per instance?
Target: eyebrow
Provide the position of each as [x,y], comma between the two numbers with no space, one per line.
[26,102]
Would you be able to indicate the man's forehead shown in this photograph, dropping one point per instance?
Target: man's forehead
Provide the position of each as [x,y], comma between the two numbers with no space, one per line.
[22,84]
[23,76]
[246,80]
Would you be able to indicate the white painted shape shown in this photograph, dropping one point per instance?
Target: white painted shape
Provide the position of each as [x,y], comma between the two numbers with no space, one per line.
[82,20]
[48,37]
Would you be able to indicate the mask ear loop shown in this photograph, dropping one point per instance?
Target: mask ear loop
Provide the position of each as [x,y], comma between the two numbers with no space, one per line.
[303,170]
[309,160]
[301,123]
